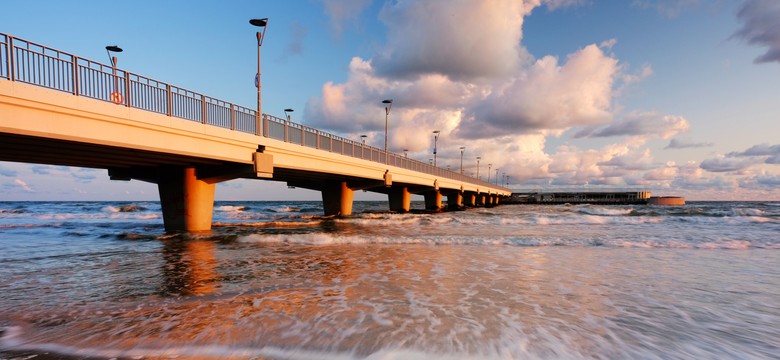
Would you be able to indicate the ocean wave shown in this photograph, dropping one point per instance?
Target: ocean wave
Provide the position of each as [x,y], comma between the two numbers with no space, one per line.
[269,224]
[14,226]
[12,211]
[232,208]
[324,239]
[124,208]
[604,211]
[747,212]
[13,338]
[283,209]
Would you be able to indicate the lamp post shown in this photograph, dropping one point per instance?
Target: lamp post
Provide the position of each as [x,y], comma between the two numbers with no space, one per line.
[116,97]
[406,153]
[388,104]
[363,147]
[287,113]
[496,176]
[489,165]
[478,158]
[435,140]
[462,150]
[261,23]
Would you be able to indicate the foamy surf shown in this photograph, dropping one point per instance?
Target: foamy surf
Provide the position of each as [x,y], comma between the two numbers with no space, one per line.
[508,282]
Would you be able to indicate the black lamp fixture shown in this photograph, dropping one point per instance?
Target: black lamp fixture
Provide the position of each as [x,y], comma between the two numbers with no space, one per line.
[109,50]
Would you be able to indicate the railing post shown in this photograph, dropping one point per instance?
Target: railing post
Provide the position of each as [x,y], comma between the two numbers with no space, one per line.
[203,118]
[169,96]
[11,58]
[127,89]
[232,117]
[260,129]
[264,123]
[286,132]
[75,75]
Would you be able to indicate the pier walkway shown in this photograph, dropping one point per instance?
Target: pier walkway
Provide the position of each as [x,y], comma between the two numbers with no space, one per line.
[58,108]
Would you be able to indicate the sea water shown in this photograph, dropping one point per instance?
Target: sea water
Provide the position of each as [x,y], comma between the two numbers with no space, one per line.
[276,280]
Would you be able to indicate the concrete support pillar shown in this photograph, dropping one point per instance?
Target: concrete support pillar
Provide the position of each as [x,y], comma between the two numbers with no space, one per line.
[337,199]
[470,200]
[495,200]
[187,203]
[480,200]
[400,199]
[454,201]
[489,200]
[432,200]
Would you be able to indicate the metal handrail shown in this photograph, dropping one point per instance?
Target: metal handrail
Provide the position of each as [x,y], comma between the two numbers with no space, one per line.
[35,64]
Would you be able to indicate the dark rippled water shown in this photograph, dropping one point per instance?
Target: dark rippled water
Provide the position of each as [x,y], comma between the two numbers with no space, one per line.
[275,280]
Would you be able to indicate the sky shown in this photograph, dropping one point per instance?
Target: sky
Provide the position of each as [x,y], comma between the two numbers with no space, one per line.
[678,97]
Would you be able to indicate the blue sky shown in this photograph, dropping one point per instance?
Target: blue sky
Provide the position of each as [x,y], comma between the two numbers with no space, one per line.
[679,97]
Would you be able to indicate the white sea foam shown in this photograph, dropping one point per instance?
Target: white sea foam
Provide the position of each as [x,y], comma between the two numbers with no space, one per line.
[604,211]
[231,208]
[284,209]
[747,212]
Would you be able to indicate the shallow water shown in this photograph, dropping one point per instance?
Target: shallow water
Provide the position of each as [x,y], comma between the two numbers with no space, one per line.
[276,280]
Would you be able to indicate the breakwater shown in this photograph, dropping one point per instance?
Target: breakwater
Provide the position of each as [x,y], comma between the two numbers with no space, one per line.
[593,197]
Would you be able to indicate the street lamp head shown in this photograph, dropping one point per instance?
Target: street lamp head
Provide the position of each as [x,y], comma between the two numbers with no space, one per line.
[288,110]
[436,131]
[388,104]
[113,48]
[263,23]
[259,22]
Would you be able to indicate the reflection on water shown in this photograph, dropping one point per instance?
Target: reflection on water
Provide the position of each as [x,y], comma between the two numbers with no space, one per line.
[238,298]
[190,267]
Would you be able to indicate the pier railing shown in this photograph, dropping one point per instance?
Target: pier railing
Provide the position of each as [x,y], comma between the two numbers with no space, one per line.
[31,63]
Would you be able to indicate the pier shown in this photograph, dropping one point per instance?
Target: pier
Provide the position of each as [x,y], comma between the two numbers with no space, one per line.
[61,109]
[582,197]
[594,197]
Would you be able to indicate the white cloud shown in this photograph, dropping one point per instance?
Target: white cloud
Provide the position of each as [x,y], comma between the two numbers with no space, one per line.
[22,184]
[761,27]
[641,124]
[686,143]
[461,39]
[668,172]
[548,96]
[481,89]
[763,181]
[727,164]
[771,153]
[759,150]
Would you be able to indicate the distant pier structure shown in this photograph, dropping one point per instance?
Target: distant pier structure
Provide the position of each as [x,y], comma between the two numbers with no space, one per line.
[594,197]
